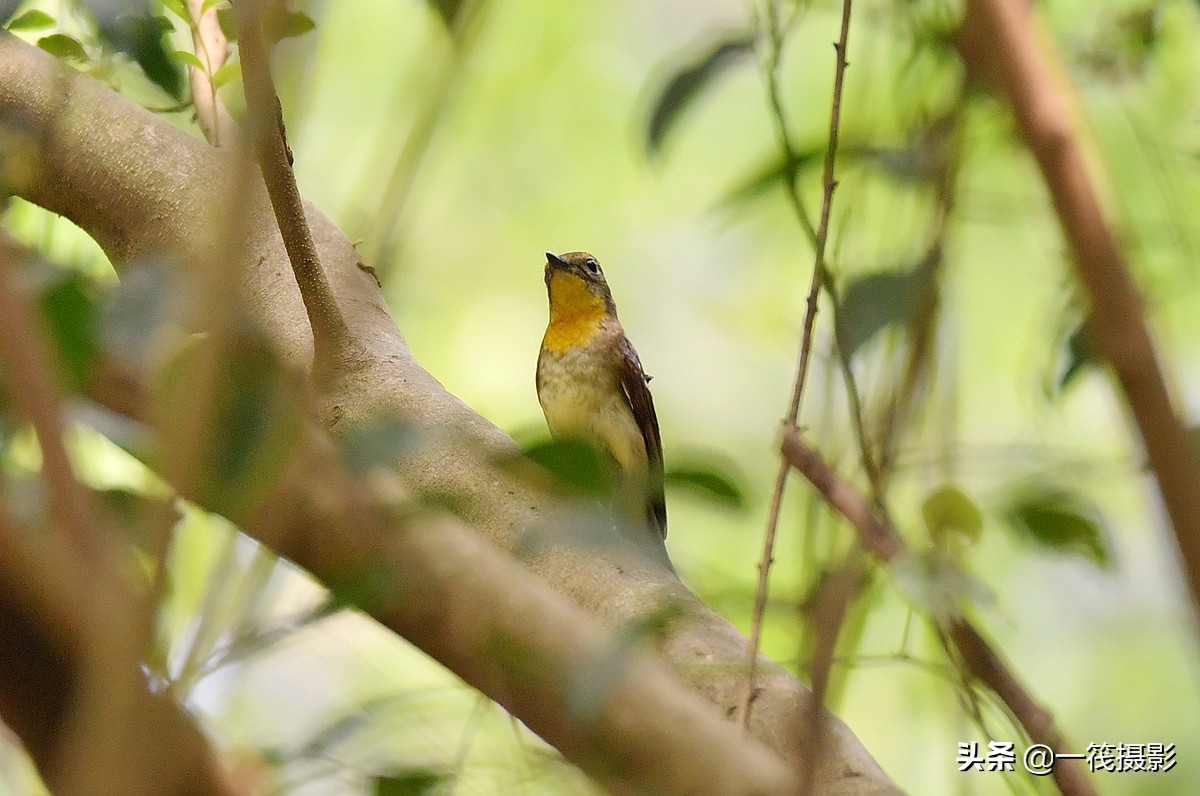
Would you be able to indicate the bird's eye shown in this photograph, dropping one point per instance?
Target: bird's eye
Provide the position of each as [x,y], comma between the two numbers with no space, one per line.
[592,265]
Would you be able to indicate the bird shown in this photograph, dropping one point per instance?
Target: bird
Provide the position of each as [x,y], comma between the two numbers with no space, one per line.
[590,382]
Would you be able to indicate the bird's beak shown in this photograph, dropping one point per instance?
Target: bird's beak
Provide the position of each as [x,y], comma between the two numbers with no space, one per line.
[554,261]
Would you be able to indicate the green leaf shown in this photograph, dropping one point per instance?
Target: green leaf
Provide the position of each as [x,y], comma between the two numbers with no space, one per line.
[190,59]
[1059,519]
[31,20]
[447,10]
[60,45]
[209,4]
[689,80]
[132,514]
[228,23]
[139,34]
[413,782]
[576,463]
[278,23]
[138,314]
[179,9]
[873,302]
[947,510]
[73,320]
[936,582]
[227,74]
[924,159]
[1080,357]
[257,423]
[775,172]
[708,482]
[364,590]
[254,423]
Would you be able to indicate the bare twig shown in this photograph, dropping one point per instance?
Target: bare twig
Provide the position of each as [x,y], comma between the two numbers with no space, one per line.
[998,43]
[978,656]
[333,345]
[828,616]
[810,316]
[25,352]
[212,49]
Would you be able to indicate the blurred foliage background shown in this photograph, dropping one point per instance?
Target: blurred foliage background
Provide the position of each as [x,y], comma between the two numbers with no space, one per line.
[459,141]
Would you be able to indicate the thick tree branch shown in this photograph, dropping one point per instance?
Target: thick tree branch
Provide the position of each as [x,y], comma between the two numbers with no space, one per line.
[998,44]
[600,698]
[142,188]
[978,656]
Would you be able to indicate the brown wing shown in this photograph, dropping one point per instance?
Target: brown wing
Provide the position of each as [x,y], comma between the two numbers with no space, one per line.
[634,379]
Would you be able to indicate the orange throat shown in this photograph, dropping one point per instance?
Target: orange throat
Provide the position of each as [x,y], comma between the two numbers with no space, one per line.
[575,313]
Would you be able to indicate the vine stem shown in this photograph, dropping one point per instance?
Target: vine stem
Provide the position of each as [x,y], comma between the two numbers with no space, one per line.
[829,184]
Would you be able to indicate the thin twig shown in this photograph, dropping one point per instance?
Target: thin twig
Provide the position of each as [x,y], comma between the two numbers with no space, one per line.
[333,345]
[25,352]
[822,235]
[828,616]
[978,656]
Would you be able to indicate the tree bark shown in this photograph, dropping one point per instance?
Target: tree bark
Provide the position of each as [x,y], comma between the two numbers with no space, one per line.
[143,188]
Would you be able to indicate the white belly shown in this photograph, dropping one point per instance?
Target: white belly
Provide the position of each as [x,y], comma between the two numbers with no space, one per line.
[590,404]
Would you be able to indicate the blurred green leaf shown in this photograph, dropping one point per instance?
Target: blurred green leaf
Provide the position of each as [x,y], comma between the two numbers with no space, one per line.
[255,420]
[448,10]
[278,23]
[227,23]
[1059,519]
[775,172]
[922,160]
[873,302]
[178,8]
[207,4]
[575,462]
[133,513]
[140,35]
[414,782]
[1079,357]
[143,308]
[379,443]
[60,45]
[709,482]
[188,59]
[72,321]
[227,74]
[689,80]
[364,590]
[31,20]
[947,509]
[935,581]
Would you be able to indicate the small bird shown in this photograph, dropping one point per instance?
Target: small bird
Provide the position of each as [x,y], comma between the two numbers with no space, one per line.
[590,381]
